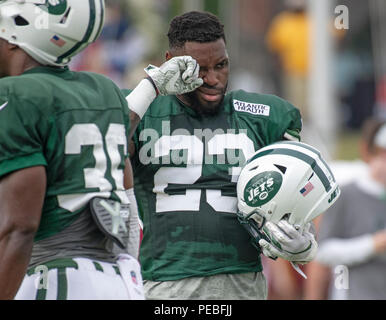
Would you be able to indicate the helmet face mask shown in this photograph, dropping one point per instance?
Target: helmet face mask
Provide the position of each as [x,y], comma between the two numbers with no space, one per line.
[285,180]
[253,223]
[257,218]
[51,31]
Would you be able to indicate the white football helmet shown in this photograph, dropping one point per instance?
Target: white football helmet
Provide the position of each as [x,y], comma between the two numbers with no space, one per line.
[51,31]
[284,180]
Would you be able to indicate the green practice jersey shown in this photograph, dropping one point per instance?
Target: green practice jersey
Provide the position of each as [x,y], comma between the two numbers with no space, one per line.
[73,123]
[186,168]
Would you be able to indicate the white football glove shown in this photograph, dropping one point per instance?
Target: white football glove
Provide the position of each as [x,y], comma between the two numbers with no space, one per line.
[288,243]
[178,75]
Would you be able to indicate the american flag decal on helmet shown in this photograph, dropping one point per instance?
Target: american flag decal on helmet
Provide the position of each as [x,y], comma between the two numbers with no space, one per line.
[58,41]
[307,189]
[134,277]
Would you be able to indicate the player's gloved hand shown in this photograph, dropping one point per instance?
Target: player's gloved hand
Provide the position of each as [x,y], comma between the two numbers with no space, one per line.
[178,75]
[288,243]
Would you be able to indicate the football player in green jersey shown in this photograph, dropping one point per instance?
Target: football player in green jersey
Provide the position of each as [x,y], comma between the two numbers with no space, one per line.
[65,214]
[187,153]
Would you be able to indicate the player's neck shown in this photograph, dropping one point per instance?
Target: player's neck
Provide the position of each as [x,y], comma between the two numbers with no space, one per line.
[184,100]
[20,63]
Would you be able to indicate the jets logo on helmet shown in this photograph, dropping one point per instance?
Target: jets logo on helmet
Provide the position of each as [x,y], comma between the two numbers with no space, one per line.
[285,180]
[262,188]
[51,31]
[55,6]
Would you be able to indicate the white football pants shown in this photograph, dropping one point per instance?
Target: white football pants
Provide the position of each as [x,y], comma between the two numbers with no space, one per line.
[84,279]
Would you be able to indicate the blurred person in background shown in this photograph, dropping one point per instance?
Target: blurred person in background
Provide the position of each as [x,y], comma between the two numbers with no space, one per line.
[352,234]
[288,38]
[149,19]
[354,79]
[112,54]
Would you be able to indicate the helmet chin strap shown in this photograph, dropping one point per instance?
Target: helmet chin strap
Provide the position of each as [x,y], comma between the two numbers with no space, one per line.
[298,270]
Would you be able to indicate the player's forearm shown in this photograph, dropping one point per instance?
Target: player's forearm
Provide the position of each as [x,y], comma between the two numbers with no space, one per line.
[21,200]
[348,252]
[15,253]
[134,121]
[134,226]
[139,101]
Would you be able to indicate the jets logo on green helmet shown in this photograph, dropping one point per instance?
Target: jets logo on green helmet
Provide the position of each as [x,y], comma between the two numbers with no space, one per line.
[284,180]
[51,31]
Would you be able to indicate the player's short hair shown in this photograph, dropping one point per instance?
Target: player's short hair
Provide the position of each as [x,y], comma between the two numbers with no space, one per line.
[370,129]
[195,26]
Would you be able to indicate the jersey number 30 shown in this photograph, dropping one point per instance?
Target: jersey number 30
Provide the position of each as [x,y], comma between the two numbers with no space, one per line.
[90,135]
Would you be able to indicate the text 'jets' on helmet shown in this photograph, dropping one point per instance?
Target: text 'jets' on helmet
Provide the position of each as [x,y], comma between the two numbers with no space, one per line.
[51,31]
[287,180]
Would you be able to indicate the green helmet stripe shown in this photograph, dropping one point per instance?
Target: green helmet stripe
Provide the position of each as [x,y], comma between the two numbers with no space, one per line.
[293,153]
[87,35]
[101,21]
[312,149]
[302,145]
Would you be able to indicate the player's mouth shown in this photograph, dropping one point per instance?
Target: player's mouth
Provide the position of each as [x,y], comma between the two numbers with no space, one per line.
[210,95]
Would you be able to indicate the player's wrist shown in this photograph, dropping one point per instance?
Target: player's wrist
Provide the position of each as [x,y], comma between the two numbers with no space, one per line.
[141,97]
[153,84]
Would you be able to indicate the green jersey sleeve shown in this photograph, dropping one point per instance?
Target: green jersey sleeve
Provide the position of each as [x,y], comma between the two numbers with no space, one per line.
[22,131]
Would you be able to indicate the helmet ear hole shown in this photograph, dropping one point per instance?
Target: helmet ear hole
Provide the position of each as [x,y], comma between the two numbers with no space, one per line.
[281,168]
[20,21]
[286,216]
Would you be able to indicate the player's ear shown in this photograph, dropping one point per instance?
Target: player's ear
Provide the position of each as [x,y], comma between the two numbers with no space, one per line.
[168,55]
